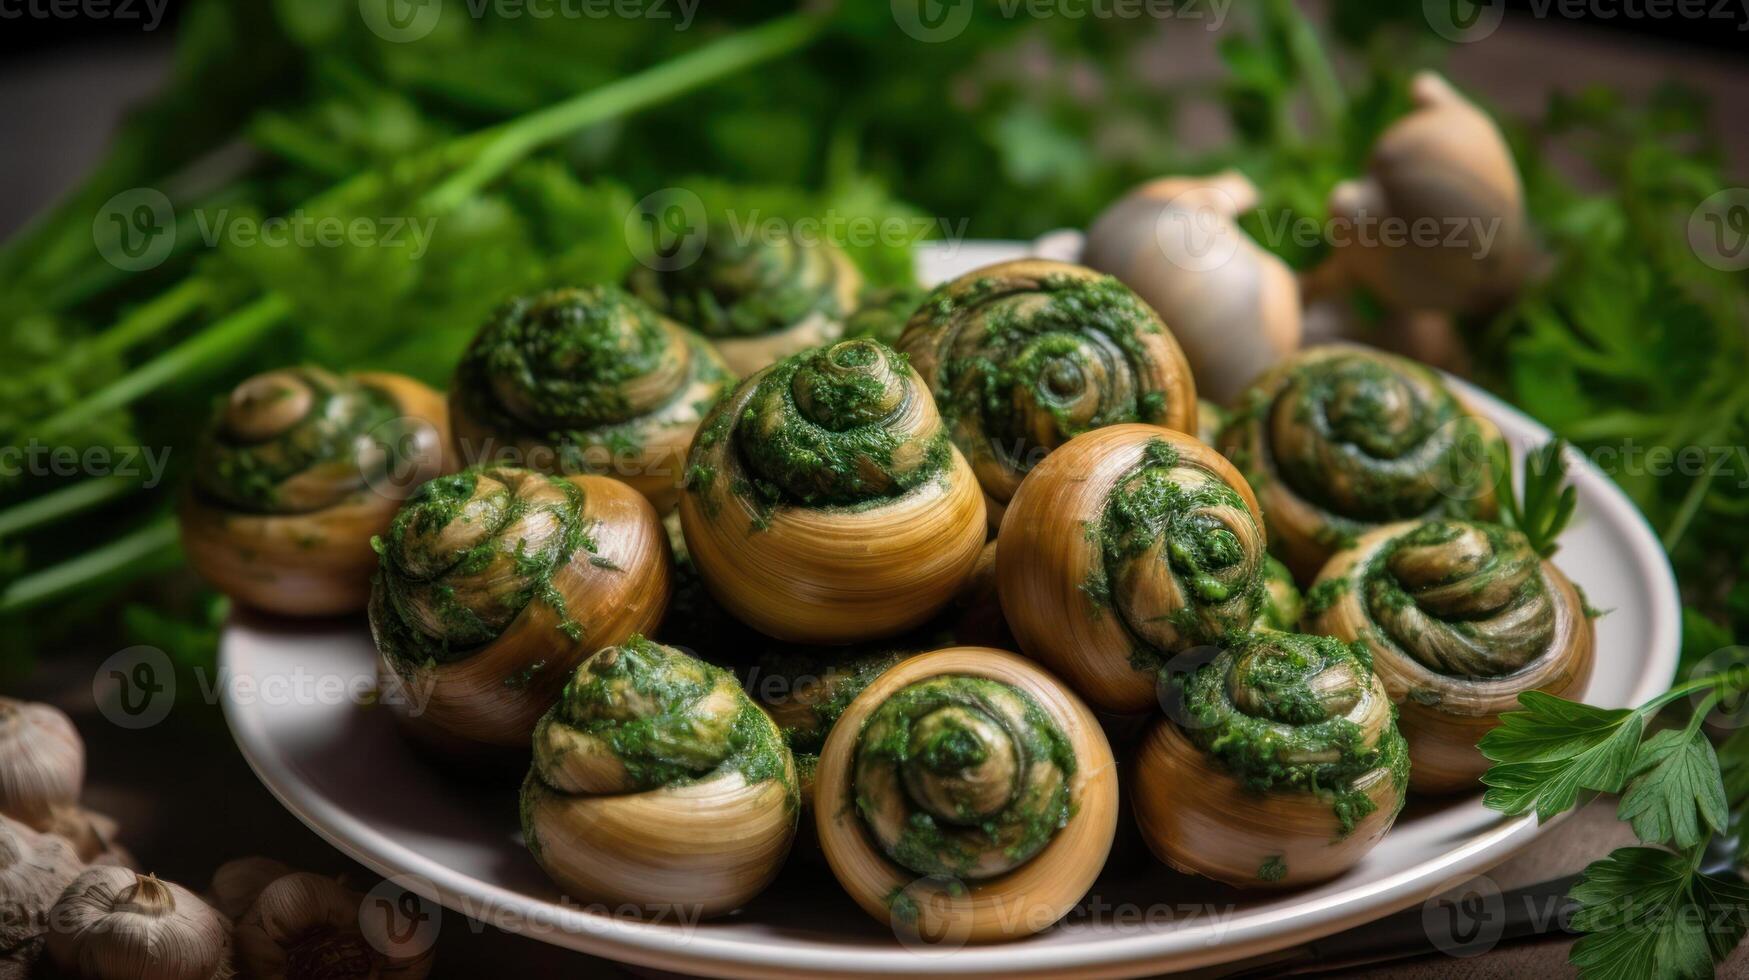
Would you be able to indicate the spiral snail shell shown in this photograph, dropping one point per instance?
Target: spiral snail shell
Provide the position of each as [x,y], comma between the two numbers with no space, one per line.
[658,783]
[1278,764]
[966,794]
[824,502]
[1460,618]
[586,381]
[1338,440]
[1128,544]
[1443,168]
[495,581]
[1232,305]
[300,468]
[757,299]
[1022,356]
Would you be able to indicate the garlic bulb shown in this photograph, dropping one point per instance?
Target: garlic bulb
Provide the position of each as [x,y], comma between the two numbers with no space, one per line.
[1127,545]
[586,381]
[1234,307]
[1443,170]
[758,299]
[658,783]
[236,883]
[1338,440]
[495,581]
[298,472]
[34,869]
[113,924]
[1022,356]
[1278,764]
[303,926]
[825,503]
[966,794]
[42,761]
[92,835]
[1460,618]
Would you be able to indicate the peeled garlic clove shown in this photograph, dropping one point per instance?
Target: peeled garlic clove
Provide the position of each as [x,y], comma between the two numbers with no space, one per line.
[42,761]
[110,922]
[34,869]
[1438,223]
[303,926]
[1233,306]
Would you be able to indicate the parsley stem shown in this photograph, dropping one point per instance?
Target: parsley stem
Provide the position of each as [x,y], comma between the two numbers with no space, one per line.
[156,540]
[64,502]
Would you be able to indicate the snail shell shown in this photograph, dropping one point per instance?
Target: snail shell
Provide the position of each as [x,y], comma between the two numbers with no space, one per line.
[110,922]
[1338,440]
[1234,307]
[1022,356]
[757,300]
[303,926]
[1461,618]
[658,783]
[1443,163]
[496,581]
[298,472]
[966,795]
[586,381]
[34,869]
[825,503]
[1278,763]
[1127,545]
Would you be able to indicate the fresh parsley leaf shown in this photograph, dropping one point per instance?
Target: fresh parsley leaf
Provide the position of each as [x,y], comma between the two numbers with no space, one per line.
[1676,794]
[1649,912]
[1547,503]
[1555,748]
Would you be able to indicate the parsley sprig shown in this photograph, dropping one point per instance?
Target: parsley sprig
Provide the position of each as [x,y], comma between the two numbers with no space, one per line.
[1545,505]
[1650,910]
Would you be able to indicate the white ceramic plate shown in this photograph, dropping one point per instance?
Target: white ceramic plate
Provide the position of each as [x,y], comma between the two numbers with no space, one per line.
[344,771]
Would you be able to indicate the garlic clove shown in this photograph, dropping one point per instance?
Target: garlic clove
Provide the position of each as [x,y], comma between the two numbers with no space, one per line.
[34,869]
[42,761]
[114,924]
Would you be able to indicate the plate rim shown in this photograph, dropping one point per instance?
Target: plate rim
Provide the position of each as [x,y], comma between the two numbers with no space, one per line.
[1142,952]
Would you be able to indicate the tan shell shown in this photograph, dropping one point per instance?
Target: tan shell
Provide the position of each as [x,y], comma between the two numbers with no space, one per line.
[1046,555]
[831,575]
[303,925]
[111,920]
[318,563]
[34,869]
[934,342]
[1022,901]
[1442,734]
[1444,162]
[492,696]
[1234,307]
[748,355]
[42,761]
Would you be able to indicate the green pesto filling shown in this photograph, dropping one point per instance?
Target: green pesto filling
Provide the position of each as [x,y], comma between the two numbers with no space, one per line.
[928,845]
[827,681]
[345,418]
[434,506]
[1290,721]
[746,288]
[1274,868]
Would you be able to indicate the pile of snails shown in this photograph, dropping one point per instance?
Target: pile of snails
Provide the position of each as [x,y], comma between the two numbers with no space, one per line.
[954,562]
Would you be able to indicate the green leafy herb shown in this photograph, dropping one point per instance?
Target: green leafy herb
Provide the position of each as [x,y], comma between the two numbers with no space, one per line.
[1545,506]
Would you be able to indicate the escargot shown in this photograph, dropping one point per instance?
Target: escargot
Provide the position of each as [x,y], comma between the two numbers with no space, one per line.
[297,472]
[1338,440]
[1278,763]
[496,581]
[1460,618]
[966,794]
[1022,356]
[302,925]
[825,503]
[658,783]
[1442,180]
[758,298]
[110,921]
[586,381]
[1127,545]
[1233,306]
